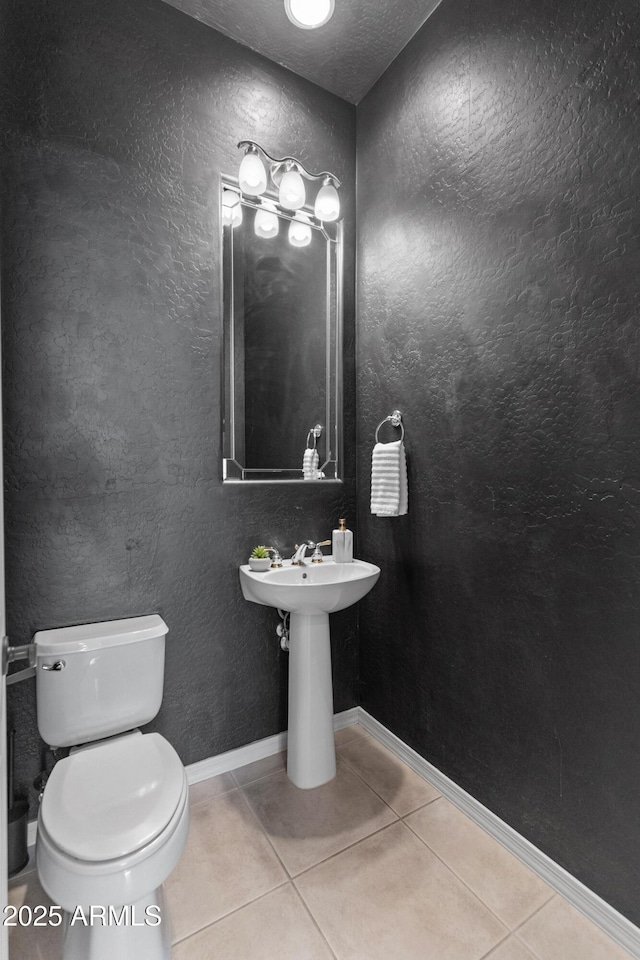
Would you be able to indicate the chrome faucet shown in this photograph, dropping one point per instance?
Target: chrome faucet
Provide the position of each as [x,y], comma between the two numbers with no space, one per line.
[297,560]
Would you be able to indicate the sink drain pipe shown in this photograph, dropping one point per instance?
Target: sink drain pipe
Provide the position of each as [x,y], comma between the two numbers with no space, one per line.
[282,630]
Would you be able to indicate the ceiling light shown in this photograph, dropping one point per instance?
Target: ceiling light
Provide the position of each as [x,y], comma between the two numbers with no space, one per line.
[309,14]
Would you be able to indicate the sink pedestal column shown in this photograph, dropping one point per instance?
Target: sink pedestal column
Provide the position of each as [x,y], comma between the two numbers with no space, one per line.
[311,753]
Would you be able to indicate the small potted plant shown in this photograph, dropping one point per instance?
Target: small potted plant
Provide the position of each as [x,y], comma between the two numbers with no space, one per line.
[260,559]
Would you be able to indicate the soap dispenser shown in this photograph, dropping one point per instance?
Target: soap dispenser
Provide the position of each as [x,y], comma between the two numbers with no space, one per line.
[342,543]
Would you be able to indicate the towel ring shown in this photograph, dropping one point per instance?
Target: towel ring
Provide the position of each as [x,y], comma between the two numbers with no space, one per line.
[315,432]
[395,419]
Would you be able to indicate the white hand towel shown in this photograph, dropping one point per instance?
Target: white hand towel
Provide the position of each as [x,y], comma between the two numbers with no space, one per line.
[310,465]
[389,490]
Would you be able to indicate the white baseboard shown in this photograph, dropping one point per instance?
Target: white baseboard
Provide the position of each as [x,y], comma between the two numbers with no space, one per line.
[610,921]
[258,750]
[614,924]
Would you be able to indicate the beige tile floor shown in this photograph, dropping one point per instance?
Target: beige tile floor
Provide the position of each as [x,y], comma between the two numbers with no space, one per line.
[372,866]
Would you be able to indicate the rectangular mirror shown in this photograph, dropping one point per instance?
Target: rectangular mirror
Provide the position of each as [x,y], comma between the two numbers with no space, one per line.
[282,343]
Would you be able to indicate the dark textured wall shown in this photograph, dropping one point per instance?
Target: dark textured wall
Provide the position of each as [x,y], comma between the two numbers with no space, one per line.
[118,119]
[498,299]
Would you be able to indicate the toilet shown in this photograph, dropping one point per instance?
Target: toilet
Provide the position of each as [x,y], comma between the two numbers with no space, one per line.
[114,815]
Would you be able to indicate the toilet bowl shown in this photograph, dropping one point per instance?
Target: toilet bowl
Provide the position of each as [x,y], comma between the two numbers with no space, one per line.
[114,814]
[146,838]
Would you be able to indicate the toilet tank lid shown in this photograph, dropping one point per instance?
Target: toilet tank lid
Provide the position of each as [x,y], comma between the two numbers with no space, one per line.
[93,636]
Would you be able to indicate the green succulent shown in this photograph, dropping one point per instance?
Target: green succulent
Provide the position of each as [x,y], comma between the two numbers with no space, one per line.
[260,553]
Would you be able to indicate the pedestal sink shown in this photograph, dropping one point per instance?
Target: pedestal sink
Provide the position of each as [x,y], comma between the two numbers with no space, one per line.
[310,593]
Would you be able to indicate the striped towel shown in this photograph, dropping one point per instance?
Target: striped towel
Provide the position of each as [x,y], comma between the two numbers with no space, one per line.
[310,465]
[389,493]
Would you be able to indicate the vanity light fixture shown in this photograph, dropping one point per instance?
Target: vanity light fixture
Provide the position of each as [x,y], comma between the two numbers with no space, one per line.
[266,223]
[252,176]
[327,202]
[288,176]
[292,193]
[231,208]
[309,14]
[300,231]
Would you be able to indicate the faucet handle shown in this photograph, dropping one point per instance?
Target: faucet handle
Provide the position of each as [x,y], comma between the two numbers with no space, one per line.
[318,556]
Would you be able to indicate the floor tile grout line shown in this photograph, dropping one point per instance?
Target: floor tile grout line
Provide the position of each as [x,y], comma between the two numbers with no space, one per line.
[355,770]
[212,923]
[421,807]
[469,888]
[267,776]
[261,828]
[198,803]
[461,880]
[534,953]
[365,736]
[357,773]
[403,817]
[541,907]
[315,922]
[359,737]
[352,844]
[495,947]
[264,832]
[349,846]
[508,932]
[516,934]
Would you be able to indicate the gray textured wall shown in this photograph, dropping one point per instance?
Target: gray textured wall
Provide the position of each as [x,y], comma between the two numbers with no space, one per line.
[499,297]
[118,119]
[498,309]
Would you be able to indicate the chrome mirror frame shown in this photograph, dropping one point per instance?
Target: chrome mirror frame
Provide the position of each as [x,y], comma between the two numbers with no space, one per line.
[232,420]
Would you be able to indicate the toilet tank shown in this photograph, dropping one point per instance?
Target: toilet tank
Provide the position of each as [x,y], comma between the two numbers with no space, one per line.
[98,679]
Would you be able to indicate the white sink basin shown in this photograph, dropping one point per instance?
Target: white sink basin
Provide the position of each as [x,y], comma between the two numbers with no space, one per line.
[315,588]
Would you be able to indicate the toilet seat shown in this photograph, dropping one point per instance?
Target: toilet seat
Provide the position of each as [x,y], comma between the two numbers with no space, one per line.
[111,799]
[70,882]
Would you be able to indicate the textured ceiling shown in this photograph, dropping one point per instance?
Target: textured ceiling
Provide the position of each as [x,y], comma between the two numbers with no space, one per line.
[346,56]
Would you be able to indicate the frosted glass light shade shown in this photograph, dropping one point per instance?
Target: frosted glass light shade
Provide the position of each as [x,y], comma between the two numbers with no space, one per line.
[252,176]
[309,14]
[292,194]
[327,203]
[299,233]
[266,224]
[231,208]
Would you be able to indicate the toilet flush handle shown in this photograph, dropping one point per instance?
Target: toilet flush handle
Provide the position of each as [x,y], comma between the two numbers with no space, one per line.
[57,666]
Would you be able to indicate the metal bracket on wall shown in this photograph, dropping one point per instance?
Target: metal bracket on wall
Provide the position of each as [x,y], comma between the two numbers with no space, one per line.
[25,651]
[395,419]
